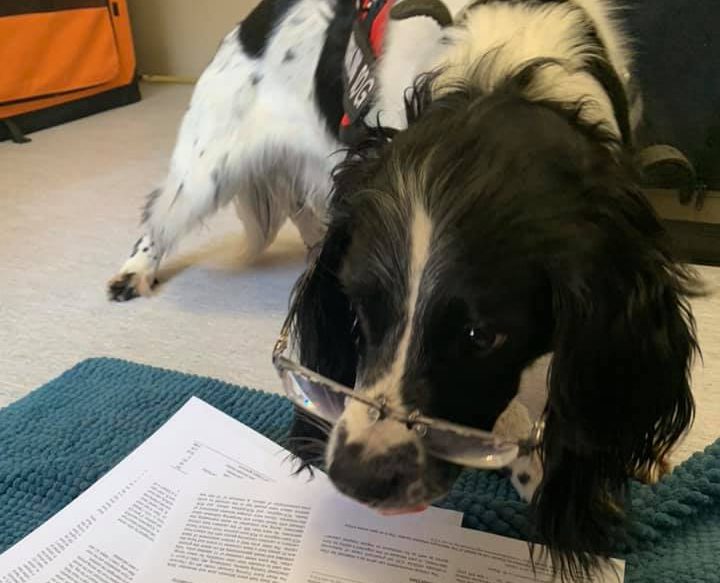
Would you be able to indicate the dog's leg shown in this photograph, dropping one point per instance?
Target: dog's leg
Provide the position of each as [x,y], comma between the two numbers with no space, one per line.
[187,198]
[310,215]
[194,190]
[525,472]
[277,186]
[284,182]
[220,140]
[311,227]
[253,136]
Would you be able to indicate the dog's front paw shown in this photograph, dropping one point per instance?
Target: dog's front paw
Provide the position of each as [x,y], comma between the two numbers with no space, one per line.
[126,286]
[137,277]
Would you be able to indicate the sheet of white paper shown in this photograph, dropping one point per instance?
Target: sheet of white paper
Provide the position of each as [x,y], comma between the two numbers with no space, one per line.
[122,542]
[197,428]
[269,534]
[198,440]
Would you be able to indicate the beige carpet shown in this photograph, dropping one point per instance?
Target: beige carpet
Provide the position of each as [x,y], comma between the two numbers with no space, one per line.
[68,216]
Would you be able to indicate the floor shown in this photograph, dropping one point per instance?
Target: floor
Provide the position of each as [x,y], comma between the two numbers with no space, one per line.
[69,207]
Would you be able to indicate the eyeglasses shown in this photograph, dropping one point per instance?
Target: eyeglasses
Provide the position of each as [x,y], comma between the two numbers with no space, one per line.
[325,399]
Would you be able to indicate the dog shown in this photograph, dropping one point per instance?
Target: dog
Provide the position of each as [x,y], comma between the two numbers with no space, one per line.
[486,213]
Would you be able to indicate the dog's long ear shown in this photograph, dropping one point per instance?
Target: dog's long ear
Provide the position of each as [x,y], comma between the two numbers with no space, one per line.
[619,394]
[323,321]
[322,327]
[322,317]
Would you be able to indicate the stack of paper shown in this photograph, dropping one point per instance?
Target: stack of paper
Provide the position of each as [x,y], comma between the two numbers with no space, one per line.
[206,499]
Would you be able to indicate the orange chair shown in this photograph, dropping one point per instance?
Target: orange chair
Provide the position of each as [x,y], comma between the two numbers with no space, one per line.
[62,60]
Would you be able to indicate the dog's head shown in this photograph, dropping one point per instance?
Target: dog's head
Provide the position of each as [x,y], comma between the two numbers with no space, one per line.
[494,230]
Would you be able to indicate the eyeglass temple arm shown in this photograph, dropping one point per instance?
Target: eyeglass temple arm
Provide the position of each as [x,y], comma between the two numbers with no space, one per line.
[281,343]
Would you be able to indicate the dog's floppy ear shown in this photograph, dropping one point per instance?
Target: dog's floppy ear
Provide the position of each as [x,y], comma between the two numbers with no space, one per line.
[322,316]
[322,327]
[323,320]
[619,394]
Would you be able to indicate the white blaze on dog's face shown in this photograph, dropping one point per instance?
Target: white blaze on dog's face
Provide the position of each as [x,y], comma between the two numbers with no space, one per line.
[378,440]
[415,351]
[359,433]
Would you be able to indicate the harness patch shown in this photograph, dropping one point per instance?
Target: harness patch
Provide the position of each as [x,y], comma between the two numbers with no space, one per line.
[359,70]
[359,75]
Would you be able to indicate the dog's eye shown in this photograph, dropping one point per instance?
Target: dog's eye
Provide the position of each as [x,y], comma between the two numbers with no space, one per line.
[485,339]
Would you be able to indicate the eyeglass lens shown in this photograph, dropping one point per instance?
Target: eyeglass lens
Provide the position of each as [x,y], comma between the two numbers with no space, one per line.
[471,451]
[313,397]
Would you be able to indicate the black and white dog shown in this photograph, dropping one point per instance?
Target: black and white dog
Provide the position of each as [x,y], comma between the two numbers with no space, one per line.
[489,215]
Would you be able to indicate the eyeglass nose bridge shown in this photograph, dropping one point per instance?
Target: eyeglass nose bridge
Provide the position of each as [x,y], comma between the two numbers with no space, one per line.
[380,411]
[377,409]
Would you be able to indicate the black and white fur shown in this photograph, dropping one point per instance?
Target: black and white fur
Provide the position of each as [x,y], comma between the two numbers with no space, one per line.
[492,216]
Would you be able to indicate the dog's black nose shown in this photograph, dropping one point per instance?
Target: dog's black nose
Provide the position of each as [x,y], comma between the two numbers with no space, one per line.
[393,477]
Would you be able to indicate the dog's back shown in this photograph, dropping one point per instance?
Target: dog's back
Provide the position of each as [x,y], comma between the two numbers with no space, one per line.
[262,128]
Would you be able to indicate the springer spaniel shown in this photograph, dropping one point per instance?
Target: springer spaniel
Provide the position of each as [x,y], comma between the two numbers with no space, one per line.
[487,212]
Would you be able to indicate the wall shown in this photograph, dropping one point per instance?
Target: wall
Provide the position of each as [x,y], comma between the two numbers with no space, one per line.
[179,37]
